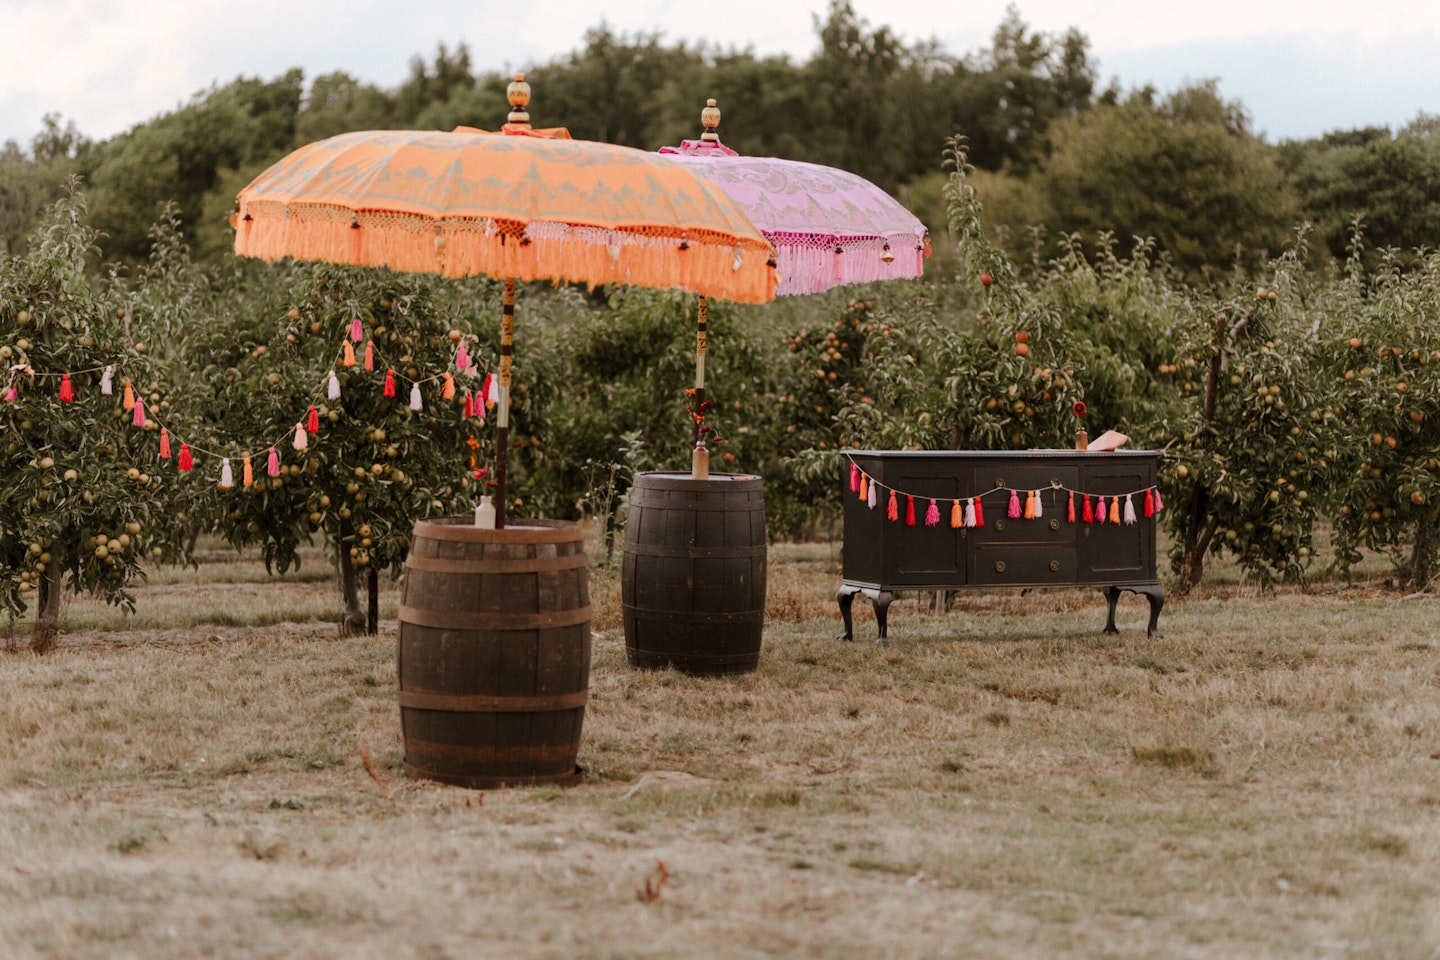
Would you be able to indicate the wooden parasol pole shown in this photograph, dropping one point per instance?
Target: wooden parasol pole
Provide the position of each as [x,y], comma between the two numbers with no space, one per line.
[709,119]
[519,95]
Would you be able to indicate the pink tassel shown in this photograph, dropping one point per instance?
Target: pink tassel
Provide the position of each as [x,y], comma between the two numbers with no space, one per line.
[12,393]
[1149,506]
[864,487]
[1070,508]
[139,419]
[1087,512]
[1158,504]
[274,467]
[854,477]
[302,439]
[979,512]
[312,423]
[187,462]
[462,358]
[870,498]
[389,383]
[369,356]
[957,516]
[892,509]
[1014,511]
[164,444]
[909,510]
[357,331]
[1129,516]
[932,515]
[67,390]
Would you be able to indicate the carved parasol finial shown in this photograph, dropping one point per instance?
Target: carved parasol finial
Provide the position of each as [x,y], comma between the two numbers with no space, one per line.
[519,94]
[710,118]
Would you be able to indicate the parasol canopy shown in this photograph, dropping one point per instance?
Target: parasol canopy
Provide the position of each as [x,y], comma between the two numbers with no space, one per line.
[527,207]
[829,227]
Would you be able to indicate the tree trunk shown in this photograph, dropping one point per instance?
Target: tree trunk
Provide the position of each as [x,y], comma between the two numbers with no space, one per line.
[1420,553]
[352,620]
[372,612]
[1200,529]
[47,616]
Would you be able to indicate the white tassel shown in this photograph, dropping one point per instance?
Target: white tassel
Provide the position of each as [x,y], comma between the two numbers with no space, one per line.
[227,476]
[334,391]
[970,512]
[415,403]
[1129,508]
[870,498]
[1039,504]
[302,439]
[107,385]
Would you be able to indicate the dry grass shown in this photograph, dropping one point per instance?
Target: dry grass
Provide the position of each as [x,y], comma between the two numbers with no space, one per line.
[1004,780]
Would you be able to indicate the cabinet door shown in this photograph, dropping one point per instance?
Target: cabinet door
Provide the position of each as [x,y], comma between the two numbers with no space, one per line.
[1118,553]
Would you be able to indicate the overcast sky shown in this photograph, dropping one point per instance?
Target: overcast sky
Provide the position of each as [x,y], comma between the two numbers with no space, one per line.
[1300,67]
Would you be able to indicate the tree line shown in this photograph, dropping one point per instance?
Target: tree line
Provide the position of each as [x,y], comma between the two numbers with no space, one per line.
[1056,154]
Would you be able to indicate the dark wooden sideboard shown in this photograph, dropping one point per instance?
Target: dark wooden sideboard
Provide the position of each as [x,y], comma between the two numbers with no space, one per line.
[881,556]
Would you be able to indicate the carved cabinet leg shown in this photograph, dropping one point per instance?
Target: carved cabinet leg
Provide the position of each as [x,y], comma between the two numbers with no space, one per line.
[882,610]
[1112,597]
[1156,595]
[846,598]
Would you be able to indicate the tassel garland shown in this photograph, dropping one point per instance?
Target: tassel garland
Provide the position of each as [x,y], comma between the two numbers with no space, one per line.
[187,462]
[227,476]
[274,467]
[390,383]
[932,515]
[164,444]
[67,390]
[909,511]
[415,401]
[892,509]
[1014,511]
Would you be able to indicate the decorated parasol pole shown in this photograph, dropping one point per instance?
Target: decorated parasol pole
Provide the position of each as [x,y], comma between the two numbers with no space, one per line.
[518,94]
[710,119]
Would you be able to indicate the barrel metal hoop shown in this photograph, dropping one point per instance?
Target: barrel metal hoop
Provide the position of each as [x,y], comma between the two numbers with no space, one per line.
[696,553]
[644,615]
[489,703]
[484,619]
[573,561]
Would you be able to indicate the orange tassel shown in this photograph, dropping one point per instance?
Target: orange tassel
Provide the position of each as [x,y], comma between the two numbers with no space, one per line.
[129,402]
[957,516]
[892,509]
[164,444]
[349,357]
[1114,509]
[248,477]
[447,390]
[864,487]
[1030,505]
[369,356]
[1070,508]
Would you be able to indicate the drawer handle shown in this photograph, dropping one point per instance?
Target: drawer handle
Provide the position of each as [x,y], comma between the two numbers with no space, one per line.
[1054,524]
[999,566]
[999,483]
[1054,566]
[999,524]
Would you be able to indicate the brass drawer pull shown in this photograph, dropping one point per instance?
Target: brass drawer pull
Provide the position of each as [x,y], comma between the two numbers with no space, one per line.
[1054,524]
[1054,566]
[999,524]
[999,566]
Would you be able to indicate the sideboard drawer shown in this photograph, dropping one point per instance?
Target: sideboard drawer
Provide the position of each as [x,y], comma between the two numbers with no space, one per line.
[1000,565]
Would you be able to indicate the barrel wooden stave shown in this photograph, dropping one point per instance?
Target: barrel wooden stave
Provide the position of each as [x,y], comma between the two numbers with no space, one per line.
[494,653]
[693,577]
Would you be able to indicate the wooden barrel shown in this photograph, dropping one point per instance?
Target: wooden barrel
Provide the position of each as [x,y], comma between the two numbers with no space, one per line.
[494,652]
[693,582]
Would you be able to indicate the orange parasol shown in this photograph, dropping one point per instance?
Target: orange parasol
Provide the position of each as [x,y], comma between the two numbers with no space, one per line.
[520,204]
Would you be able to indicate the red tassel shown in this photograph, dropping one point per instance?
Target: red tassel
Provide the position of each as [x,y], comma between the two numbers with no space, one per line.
[1014,511]
[1087,512]
[469,405]
[164,444]
[932,515]
[389,383]
[854,477]
[1070,508]
[369,356]
[909,510]
[979,512]
[957,516]
[1149,504]
[187,462]
[1099,510]
[312,425]
[67,390]
[892,509]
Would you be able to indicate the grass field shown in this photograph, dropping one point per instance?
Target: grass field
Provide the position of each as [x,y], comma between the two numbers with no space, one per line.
[1003,781]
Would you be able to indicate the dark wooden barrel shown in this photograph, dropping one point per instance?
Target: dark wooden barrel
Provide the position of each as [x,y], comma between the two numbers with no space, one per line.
[693,582]
[494,652]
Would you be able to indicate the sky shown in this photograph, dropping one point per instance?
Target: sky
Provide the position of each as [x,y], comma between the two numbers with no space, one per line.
[1300,68]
